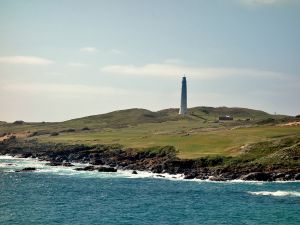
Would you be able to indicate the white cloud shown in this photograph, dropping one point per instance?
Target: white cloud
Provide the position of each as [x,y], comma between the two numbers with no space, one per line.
[64,89]
[88,49]
[171,70]
[76,64]
[27,60]
[262,2]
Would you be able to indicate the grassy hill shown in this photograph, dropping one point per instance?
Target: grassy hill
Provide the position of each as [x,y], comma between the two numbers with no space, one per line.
[133,117]
[195,135]
[138,116]
[123,118]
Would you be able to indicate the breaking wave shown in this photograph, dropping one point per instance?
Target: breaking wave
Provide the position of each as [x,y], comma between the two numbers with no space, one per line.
[276,193]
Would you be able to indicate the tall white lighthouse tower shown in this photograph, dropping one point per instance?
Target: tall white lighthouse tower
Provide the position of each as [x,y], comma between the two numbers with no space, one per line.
[183,105]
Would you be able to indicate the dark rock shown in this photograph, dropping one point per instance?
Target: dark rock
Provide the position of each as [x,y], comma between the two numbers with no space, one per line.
[54,163]
[191,175]
[59,163]
[134,172]
[26,155]
[87,168]
[59,158]
[27,169]
[123,164]
[297,176]
[85,128]
[157,169]
[230,175]
[288,177]
[160,175]
[107,169]
[67,164]
[217,178]
[202,176]
[279,177]
[258,176]
[112,164]
[96,161]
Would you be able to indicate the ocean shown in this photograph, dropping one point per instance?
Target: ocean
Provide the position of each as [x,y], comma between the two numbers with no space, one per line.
[60,195]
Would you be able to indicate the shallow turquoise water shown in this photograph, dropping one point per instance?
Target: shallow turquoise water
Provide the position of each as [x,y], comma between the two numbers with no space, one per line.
[60,196]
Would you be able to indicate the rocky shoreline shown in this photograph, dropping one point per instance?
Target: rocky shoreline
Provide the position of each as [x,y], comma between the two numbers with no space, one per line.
[110,158]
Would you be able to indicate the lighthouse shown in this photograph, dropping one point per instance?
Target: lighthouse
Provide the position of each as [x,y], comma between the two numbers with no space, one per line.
[183,103]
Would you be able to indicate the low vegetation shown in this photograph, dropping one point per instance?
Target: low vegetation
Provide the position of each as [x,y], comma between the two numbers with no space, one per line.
[198,135]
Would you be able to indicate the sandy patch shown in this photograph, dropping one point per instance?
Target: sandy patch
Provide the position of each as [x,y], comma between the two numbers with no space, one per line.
[290,124]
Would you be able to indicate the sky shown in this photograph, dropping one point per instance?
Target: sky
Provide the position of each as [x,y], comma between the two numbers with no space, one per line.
[64,59]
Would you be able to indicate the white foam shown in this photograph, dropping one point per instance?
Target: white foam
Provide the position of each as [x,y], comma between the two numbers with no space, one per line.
[276,193]
[146,174]
[13,163]
[9,164]
[247,181]
[6,157]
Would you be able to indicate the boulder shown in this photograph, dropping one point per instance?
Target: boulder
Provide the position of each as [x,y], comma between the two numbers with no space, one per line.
[297,176]
[157,169]
[258,176]
[279,177]
[288,177]
[67,164]
[26,155]
[96,161]
[190,175]
[87,168]
[107,169]
[54,163]
[217,178]
[134,172]
[26,169]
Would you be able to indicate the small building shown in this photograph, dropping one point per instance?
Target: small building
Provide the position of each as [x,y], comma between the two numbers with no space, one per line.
[225,117]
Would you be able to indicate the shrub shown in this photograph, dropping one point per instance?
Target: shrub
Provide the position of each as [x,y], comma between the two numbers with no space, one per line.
[19,122]
[266,121]
[159,151]
[54,134]
[210,161]
[68,130]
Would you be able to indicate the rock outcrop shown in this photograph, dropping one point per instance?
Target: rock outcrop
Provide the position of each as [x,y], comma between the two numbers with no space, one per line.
[109,158]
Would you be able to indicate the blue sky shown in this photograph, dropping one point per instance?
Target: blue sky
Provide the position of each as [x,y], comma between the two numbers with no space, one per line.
[65,59]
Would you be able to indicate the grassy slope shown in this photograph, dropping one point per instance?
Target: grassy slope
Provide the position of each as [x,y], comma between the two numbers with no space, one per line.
[201,143]
[195,135]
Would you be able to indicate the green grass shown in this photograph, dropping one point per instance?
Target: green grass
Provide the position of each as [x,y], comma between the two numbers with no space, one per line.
[203,143]
[195,135]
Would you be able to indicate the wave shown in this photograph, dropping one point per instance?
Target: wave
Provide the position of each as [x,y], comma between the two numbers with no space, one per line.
[10,164]
[276,193]
[6,157]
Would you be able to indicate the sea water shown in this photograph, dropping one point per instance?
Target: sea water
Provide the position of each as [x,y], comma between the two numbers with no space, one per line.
[60,195]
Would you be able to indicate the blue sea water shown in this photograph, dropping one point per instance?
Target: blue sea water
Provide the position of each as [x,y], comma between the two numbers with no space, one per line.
[57,195]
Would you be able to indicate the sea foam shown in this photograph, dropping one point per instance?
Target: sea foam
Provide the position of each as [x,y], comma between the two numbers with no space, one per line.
[10,164]
[276,193]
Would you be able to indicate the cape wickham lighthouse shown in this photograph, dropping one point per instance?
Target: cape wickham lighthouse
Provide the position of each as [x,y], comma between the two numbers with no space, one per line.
[183,103]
